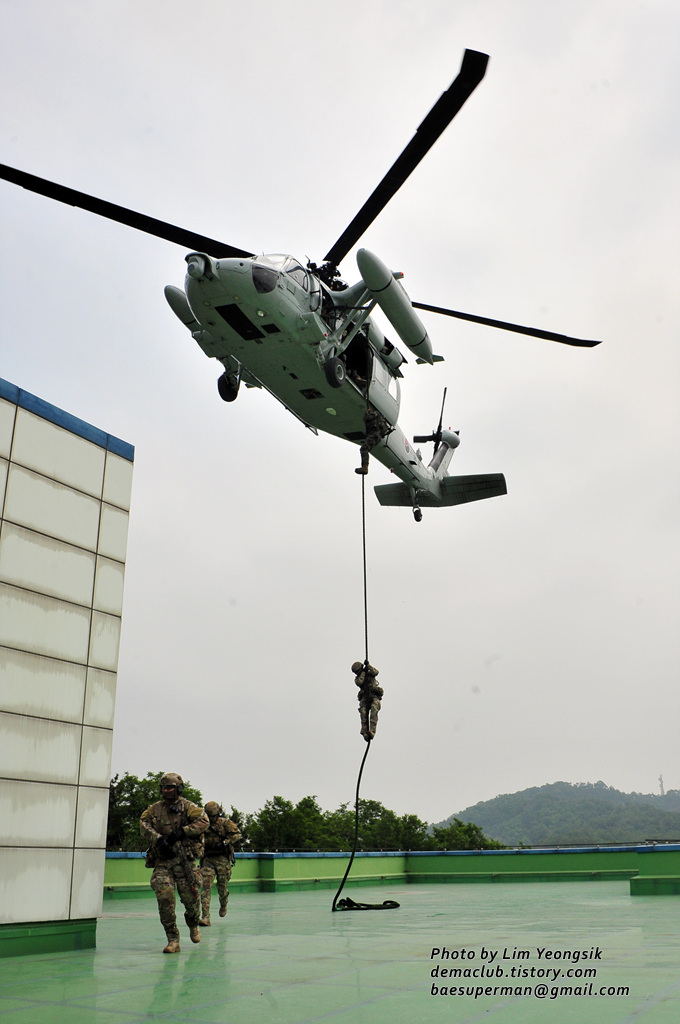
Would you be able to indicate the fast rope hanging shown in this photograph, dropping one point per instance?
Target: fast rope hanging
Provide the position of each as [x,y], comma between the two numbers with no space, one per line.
[347,903]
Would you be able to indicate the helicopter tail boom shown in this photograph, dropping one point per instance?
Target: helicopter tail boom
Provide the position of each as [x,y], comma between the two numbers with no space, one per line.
[455,490]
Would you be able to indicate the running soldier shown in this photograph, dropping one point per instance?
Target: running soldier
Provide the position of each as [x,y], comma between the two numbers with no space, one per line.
[174,829]
[218,858]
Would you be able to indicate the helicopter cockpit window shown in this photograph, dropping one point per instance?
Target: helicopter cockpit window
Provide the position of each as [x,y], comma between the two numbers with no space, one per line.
[273,260]
[264,278]
[298,274]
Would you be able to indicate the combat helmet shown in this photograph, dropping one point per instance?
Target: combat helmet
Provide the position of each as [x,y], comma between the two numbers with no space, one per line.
[172,779]
[212,809]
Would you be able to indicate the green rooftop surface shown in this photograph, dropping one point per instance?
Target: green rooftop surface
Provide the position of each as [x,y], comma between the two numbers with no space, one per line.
[286,959]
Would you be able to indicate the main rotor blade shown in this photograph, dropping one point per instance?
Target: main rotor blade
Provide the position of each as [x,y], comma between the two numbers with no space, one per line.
[534,332]
[445,109]
[139,221]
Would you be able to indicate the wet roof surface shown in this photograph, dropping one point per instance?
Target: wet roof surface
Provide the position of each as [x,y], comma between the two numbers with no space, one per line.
[285,958]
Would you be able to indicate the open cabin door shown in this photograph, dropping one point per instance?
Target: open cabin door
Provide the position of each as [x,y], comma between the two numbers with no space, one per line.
[383,391]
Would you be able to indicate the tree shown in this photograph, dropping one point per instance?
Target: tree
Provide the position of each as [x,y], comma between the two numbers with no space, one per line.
[459,835]
[274,827]
[338,829]
[412,833]
[280,825]
[128,798]
[378,827]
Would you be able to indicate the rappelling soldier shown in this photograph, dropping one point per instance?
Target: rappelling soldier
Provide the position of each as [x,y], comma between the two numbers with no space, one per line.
[174,829]
[218,858]
[377,427]
[369,697]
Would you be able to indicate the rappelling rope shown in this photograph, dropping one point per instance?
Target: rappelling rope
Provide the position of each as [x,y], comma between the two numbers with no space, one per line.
[363,546]
[347,903]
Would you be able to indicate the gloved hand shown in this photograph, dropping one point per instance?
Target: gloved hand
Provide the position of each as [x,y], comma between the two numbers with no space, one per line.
[164,848]
[176,834]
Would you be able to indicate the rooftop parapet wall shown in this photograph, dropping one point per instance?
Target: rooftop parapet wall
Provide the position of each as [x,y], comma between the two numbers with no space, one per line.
[278,872]
[126,874]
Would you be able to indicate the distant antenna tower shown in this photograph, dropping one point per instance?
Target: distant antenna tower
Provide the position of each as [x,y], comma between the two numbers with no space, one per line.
[661,785]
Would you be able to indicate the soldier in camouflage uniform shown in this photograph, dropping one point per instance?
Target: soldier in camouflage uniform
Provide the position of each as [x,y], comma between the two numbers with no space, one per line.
[174,829]
[218,858]
[368,696]
[377,427]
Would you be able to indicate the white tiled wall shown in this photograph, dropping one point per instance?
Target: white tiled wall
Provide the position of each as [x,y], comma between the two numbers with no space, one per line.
[65,502]
[35,884]
[100,698]
[57,454]
[42,687]
[37,815]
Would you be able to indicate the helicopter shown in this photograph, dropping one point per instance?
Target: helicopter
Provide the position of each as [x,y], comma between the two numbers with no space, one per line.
[297,330]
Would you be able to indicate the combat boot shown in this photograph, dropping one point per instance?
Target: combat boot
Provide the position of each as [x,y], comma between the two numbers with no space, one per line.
[194,933]
[173,942]
[205,920]
[363,469]
[223,909]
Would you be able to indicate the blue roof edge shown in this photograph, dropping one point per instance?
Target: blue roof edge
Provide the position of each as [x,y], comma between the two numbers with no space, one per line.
[47,411]
[270,855]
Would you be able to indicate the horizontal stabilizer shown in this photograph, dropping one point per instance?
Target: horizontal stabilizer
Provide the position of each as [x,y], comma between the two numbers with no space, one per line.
[455,490]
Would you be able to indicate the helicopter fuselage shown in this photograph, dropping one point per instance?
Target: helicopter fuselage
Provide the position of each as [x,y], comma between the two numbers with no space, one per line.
[274,324]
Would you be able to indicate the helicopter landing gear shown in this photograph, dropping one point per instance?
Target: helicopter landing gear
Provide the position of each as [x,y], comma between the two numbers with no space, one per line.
[335,371]
[417,514]
[228,387]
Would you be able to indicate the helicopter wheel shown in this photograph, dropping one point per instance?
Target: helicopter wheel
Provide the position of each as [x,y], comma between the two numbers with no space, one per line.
[335,371]
[228,391]
[417,514]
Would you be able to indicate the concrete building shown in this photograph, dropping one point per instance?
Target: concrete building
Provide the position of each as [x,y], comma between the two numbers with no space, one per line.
[64,500]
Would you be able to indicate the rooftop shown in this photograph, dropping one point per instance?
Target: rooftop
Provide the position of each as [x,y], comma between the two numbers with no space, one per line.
[285,958]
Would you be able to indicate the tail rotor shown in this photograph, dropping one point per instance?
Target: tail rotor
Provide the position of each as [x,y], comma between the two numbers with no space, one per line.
[436,435]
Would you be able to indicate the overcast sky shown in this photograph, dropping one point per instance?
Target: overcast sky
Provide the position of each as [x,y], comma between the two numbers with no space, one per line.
[522,640]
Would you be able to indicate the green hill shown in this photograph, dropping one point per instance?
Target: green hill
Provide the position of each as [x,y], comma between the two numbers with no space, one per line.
[561,814]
